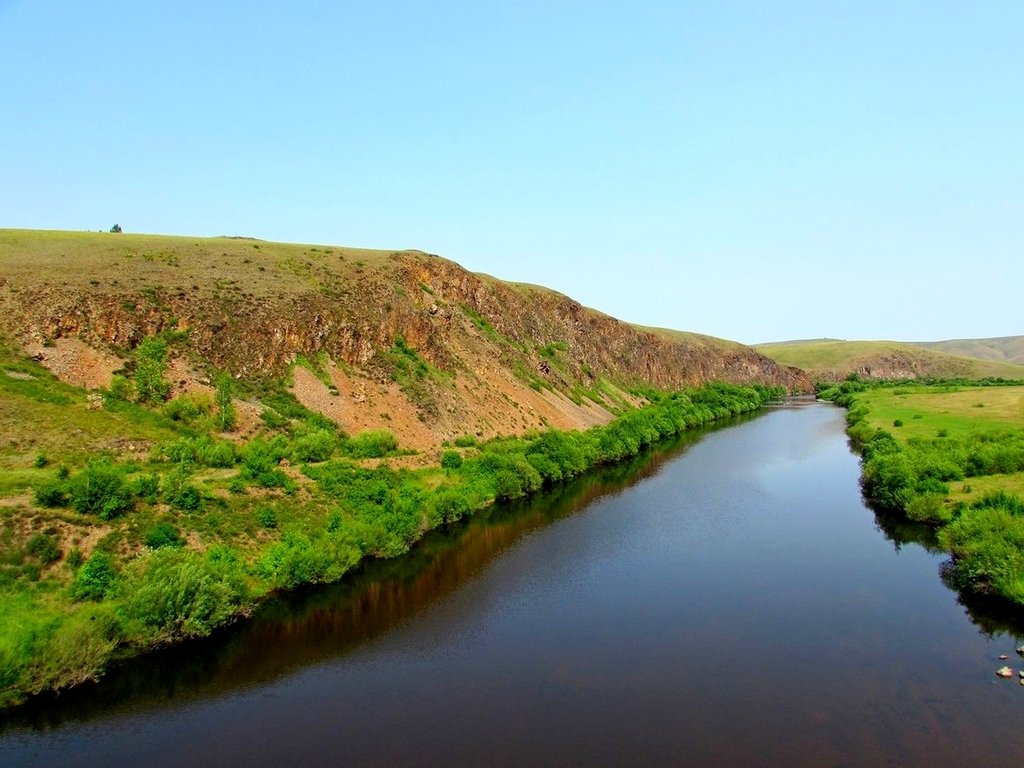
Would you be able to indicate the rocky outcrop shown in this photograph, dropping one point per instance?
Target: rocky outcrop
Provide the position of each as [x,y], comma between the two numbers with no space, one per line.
[254,316]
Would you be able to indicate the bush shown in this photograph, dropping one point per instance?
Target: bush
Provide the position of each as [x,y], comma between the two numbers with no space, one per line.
[150,366]
[94,579]
[44,547]
[146,487]
[74,558]
[372,444]
[188,409]
[315,446]
[266,517]
[51,494]
[163,534]
[41,461]
[100,489]
[465,441]
[121,388]
[451,460]
[226,417]
[175,593]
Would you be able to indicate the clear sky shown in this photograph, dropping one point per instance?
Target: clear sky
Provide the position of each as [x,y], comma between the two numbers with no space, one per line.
[754,170]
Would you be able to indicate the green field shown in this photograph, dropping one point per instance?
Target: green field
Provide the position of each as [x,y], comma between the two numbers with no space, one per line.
[951,456]
[928,411]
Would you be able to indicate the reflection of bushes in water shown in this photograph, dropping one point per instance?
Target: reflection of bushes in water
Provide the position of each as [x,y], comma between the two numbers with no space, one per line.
[992,614]
[901,531]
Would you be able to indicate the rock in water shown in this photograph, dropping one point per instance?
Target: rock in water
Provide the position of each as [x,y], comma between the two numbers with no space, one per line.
[1003,657]
[1004,672]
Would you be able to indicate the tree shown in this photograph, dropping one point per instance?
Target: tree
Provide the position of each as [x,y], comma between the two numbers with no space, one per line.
[226,417]
[116,229]
[150,365]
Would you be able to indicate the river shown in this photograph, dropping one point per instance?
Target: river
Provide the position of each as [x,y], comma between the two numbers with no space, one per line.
[725,600]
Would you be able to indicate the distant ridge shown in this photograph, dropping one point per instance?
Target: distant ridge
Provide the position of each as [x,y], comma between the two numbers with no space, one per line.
[832,359]
[1009,349]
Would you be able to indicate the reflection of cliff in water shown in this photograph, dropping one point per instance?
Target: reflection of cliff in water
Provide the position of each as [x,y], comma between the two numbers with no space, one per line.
[315,624]
[992,615]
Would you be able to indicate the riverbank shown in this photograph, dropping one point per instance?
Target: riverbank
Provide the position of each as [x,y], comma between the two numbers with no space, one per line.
[951,455]
[224,527]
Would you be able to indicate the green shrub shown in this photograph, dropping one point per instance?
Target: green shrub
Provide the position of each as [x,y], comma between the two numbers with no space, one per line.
[45,548]
[897,422]
[94,579]
[226,417]
[266,517]
[372,444]
[146,487]
[465,441]
[41,461]
[163,534]
[150,366]
[175,593]
[204,451]
[74,558]
[451,460]
[100,489]
[121,388]
[315,446]
[51,494]
[188,409]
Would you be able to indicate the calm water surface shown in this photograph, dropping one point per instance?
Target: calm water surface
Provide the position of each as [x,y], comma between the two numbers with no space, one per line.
[723,601]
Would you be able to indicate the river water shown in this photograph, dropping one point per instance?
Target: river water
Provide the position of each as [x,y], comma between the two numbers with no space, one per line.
[725,600]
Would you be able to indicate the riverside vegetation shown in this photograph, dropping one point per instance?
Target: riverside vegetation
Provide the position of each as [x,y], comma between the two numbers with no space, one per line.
[951,454]
[102,557]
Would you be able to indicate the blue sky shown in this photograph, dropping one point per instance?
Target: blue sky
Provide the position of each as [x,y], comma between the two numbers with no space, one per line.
[751,170]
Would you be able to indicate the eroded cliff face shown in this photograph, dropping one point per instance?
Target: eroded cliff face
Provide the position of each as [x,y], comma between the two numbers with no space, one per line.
[502,357]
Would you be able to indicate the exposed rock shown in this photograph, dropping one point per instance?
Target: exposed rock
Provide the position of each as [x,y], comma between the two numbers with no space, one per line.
[1004,672]
[254,313]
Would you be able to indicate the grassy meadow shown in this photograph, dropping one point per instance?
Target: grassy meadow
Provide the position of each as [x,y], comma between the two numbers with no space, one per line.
[950,455]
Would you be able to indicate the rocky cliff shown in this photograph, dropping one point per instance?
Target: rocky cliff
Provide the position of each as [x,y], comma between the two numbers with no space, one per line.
[405,340]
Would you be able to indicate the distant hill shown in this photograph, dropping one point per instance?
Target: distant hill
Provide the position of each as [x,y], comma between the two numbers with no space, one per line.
[1006,349]
[399,340]
[832,359]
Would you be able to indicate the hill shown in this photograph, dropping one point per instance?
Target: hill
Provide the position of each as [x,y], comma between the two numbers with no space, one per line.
[832,359]
[1008,349]
[402,340]
[178,458]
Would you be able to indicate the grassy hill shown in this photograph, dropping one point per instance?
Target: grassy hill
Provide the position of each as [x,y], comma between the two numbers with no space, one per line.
[1009,349]
[832,359]
[401,340]
[192,423]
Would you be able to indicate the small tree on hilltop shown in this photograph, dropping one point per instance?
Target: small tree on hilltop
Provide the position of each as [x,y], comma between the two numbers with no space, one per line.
[116,229]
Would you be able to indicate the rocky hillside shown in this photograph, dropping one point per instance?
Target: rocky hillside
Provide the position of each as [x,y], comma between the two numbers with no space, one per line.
[832,360]
[403,340]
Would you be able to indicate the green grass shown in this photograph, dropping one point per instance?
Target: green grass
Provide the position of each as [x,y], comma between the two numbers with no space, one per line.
[953,457]
[925,412]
